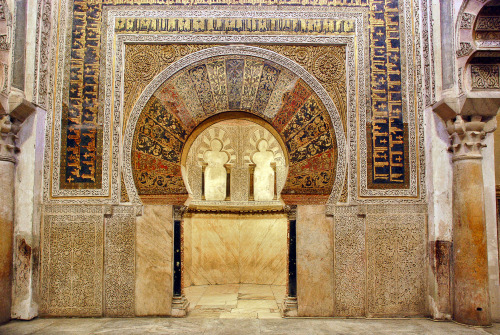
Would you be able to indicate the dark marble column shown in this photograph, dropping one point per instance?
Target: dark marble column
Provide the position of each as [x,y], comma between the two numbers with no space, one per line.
[179,302]
[290,306]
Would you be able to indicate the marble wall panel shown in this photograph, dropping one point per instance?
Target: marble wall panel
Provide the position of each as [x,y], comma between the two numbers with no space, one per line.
[350,263]
[72,265]
[153,267]
[263,249]
[233,248]
[215,249]
[314,261]
[119,264]
[396,254]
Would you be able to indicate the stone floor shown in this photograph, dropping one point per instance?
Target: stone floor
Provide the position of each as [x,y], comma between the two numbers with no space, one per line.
[235,301]
[304,326]
[237,309]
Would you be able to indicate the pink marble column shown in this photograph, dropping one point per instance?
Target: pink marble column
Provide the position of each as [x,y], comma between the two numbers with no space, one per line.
[471,301]
[7,171]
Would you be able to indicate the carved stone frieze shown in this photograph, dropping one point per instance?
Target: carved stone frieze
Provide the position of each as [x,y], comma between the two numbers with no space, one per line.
[350,262]
[467,21]
[43,53]
[4,42]
[488,23]
[485,76]
[72,265]
[396,248]
[465,49]
[119,264]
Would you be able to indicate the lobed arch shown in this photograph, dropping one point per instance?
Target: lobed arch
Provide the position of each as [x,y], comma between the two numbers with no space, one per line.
[230,116]
[470,44]
[299,99]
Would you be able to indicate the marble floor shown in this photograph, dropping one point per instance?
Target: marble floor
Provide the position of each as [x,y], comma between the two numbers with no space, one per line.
[235,301]
[194,326]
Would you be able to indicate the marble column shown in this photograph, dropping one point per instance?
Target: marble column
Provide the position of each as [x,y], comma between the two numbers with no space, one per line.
[179,302]
[290,305]
[7,171]
[471,301]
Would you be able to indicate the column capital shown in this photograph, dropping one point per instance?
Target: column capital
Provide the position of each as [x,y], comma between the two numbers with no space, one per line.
[179,212]
[466,135]
[291,211]
[8,131]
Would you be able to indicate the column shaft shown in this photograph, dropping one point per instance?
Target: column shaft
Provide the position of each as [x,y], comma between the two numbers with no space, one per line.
[471,301]
[471,304]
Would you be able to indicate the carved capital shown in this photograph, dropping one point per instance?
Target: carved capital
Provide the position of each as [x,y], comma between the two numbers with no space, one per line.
[8,131]
[291,211]
[179,212]
[467,134]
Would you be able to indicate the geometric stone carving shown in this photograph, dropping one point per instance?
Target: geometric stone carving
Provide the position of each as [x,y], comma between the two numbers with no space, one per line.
[349,263]
[485,76]
[4,42]
[488,23]
[396,273]
[465,49]
[119,264]
[467,21]
[72,265]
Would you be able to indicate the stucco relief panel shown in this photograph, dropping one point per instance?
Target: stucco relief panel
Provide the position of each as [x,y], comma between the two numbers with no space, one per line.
[72,265]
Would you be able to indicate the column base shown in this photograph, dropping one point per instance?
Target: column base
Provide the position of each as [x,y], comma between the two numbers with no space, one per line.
[290,307]
[179,306]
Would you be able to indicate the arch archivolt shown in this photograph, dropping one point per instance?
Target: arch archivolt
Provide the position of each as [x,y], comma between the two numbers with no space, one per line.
[235,79]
